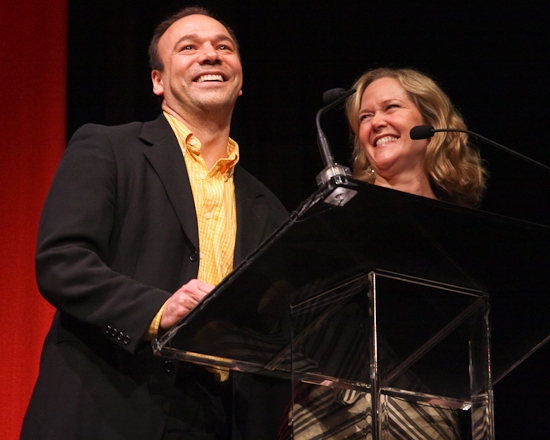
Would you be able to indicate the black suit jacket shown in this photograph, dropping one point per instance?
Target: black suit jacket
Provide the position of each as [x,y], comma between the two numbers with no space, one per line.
[118,235]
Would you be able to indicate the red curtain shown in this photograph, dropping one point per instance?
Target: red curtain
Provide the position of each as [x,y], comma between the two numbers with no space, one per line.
[33,40]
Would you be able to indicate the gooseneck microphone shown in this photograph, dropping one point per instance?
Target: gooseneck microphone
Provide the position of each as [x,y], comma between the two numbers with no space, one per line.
[422,132]
[331,98]
[427,131]
[332,174]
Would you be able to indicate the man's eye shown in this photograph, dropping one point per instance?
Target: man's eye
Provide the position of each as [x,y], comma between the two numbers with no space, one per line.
[222,47]
[187,47]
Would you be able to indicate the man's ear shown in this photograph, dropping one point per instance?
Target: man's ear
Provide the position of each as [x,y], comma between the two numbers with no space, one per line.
[156,78]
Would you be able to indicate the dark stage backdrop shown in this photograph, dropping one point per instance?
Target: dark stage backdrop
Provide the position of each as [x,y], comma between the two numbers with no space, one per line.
[491,59]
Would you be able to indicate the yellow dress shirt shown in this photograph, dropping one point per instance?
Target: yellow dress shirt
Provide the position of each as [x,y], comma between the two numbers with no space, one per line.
[215,205]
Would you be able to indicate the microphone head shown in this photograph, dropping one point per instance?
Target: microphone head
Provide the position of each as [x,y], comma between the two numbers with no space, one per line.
[332,95]
[422,132]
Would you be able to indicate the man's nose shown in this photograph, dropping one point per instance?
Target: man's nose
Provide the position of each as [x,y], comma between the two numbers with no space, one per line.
[208,53]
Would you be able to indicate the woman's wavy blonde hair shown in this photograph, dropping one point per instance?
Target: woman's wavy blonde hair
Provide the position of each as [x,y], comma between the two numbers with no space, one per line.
[455,169]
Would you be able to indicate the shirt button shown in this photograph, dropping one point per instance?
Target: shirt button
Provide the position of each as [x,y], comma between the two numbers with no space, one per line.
[193,142]
[208,215]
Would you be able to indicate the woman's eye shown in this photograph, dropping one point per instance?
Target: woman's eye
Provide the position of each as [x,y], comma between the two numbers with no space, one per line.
[365,116]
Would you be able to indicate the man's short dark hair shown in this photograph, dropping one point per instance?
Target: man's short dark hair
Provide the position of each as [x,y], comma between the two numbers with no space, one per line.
[154,60]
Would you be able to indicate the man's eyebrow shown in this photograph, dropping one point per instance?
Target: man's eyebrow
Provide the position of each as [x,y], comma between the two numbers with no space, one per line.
[217,37]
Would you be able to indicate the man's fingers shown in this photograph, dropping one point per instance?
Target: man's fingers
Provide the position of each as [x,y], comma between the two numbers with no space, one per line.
[183,301]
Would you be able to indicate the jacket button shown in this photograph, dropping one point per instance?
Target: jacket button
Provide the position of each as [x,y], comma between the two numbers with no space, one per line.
[126,340]
[168,366]
[194,256]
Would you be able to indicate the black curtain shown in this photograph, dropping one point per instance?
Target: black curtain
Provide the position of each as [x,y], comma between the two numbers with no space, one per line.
[492,61]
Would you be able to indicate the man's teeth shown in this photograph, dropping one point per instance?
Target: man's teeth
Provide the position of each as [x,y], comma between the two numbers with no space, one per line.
[210,78]
[386,139]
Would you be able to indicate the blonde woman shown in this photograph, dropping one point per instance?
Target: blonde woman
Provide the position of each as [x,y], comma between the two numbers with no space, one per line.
[387,104]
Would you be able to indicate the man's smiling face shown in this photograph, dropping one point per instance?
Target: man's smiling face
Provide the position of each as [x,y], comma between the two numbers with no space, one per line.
[201,66]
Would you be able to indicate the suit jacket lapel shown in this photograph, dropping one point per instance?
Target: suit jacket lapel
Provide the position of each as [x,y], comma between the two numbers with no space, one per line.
[164,155]
[250,216]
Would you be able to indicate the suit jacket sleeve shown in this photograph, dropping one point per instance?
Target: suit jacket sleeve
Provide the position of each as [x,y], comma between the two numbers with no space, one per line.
[80,241]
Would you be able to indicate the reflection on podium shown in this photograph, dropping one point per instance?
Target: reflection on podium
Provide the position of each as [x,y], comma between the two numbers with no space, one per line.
[381,312]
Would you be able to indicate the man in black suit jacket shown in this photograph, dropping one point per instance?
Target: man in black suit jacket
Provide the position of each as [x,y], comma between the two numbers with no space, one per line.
[118,256]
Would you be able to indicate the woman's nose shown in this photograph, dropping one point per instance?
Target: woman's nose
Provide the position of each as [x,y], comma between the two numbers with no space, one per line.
[378,121]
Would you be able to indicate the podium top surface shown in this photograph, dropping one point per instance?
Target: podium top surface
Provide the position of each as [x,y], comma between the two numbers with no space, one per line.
[323,245]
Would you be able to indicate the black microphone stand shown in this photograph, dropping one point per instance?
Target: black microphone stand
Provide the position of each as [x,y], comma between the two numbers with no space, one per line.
[496,144]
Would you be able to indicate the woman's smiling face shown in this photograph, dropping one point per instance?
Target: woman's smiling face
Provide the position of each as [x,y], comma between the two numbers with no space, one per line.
[386,117]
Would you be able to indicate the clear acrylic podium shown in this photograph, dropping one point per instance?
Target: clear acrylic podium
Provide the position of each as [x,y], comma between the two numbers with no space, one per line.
[389,294]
